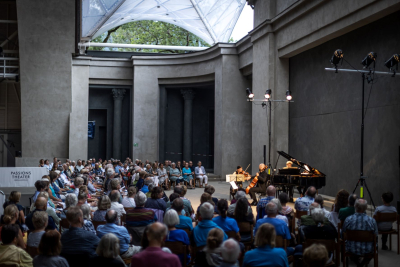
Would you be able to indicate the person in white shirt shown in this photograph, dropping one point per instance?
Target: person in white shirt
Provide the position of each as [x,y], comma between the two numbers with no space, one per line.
[79,166]
[129,202]
[114,197]
[201,174]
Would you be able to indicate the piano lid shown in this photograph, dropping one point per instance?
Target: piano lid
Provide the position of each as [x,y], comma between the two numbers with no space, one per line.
[302,165]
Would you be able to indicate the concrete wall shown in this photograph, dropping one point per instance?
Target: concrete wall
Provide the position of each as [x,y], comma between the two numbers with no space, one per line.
[46,32]
[326,116]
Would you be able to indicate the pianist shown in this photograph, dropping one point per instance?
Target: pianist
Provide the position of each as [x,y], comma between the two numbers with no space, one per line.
[288,164]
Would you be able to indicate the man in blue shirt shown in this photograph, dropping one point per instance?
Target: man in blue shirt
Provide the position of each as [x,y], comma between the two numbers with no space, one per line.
[200,232]
[271,191]
[77,241]
[360,221]
[121,232]
[184,221]
[303,203]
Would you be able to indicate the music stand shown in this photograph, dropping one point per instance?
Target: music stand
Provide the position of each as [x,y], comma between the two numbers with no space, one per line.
[234,178]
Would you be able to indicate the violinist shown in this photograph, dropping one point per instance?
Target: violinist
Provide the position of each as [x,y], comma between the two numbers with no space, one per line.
[261,186]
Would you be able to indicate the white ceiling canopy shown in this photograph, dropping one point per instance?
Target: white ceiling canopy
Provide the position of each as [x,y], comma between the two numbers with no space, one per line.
[211,20]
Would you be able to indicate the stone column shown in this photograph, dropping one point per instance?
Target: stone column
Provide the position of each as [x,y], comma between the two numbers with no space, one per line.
[188,96]
[118,95]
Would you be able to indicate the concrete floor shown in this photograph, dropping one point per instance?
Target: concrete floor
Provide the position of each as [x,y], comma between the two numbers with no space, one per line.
[385,258]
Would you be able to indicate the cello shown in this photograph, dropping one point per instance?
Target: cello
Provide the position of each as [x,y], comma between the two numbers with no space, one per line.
[253,183]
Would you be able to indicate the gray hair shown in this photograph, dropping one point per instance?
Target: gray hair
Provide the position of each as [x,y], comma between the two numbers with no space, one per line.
[318,215]
[206,211]
[148,181]
[230,250]
[171,218]
[108,246]
[86,211]
[173,163]
[361,205]
[110,172]
[78,181]
[71,200]
[240,194]
[278,204]
[39,219]
[140,199]
[271,208]
[151,186]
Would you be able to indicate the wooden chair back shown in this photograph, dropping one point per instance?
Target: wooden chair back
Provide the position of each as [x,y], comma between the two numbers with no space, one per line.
[177,248]
[360,236]
[231,234]
[97,223]
[280,242]
[387,217]
[194,251]
[300,213]
[32,251]
[187,230]
[246,228]
[126,209]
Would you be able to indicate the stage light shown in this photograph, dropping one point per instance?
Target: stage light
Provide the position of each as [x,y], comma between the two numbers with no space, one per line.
[392,62]
[268,94]
[288,95]
[337,56]
[371,57]
[249,93]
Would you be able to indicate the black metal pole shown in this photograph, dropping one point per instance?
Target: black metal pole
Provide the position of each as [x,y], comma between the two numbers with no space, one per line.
[265,154]
[269,136]
[362,130]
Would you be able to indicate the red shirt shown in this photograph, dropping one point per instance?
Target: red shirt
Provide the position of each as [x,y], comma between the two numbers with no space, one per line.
[153,256]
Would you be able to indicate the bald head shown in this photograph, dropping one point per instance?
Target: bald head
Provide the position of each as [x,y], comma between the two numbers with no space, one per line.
[111,216]
[271,191]
[156,233]
[261,166]
[41,203]
[311,192]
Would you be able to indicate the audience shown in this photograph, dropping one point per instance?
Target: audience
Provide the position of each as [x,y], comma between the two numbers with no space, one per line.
[14,198]
[184,221]
[53,213]
[156,201]
[108,252]
[114,197]
[129,202]
[40,205]
[307,220]
[153,255]
[77,235]
[303,203]
[241,212]
[200,173]
[385,208]
[10,218]
[362,222]
[87,224]
[104,205]
[341,201]
[320,200]
[279,207]
[40,220]
[286,210]
[271,191]
[175,174]
[315,256]
[121,232]
[225,223]
[200,232]
[265,253]
[140,216]
[348,211]
[10,254]
[49,251]
[210,256]
[211,190]
[230,251]
[187,175]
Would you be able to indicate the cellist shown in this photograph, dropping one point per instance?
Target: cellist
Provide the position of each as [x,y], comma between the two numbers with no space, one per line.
[261,186]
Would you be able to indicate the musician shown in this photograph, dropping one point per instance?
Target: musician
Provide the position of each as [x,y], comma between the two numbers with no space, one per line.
[288,164]
[261,186]
[239,170]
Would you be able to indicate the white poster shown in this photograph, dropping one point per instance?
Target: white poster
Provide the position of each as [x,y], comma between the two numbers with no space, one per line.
[21,176]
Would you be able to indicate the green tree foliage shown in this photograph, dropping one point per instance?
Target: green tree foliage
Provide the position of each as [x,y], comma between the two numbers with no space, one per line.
[149,32]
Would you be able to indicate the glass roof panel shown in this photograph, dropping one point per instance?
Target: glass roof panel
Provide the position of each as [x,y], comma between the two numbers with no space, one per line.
[211,20]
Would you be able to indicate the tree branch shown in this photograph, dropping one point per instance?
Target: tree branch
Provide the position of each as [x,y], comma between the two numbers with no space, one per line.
[109,33]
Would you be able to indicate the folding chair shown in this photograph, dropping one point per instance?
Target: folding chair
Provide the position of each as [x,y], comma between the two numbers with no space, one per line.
[389,217]
[360,236]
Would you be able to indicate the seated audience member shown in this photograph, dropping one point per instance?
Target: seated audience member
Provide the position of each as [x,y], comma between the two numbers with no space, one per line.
[239,194]
[140,216]
[108,252]
[175,174]
[40,205]
[140,182]
[187,205]
[303,203]
[280,226]
[14,198]
[156,201]
[147,181]
[40,187]
[320,200]
[233,201]
[348,211]
[54,191]
[385,208]
[241,213]
[87,224]
[184,221]
[55,214]
[172,197]
[200,232]
[78,183]
[230,251]
[153,255]
[271,191]
[211,190]
[322,228]
[49,251]
[40,220]
[279,207]
[10,217]
[82,199]
[121,232]
[110,173]
[171,219]
[341,201]
[10,254]
[266,254]
[71,200]
[76,241]
[362,222]
[150,188]
[162,175]
[187,175]
[114,197]
[210,256]
[206,197]
[315,256]
[104,205]
[225,223]
[307,220]
[129,202]
[286,210]
[200,173]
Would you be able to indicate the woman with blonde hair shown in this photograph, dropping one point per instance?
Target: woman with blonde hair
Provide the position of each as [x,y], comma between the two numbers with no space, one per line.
[10,216]
[266,254]
[108,252]
[103,206]
[211,254]
[14,198]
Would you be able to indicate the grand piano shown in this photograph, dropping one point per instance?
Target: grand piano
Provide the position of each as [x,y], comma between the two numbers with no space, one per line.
[302,176]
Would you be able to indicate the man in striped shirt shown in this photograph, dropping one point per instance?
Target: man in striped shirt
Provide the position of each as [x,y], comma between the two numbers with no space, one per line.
[140,216]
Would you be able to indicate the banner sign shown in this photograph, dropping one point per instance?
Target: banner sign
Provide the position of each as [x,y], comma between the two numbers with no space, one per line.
[21,176]
[91,128]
